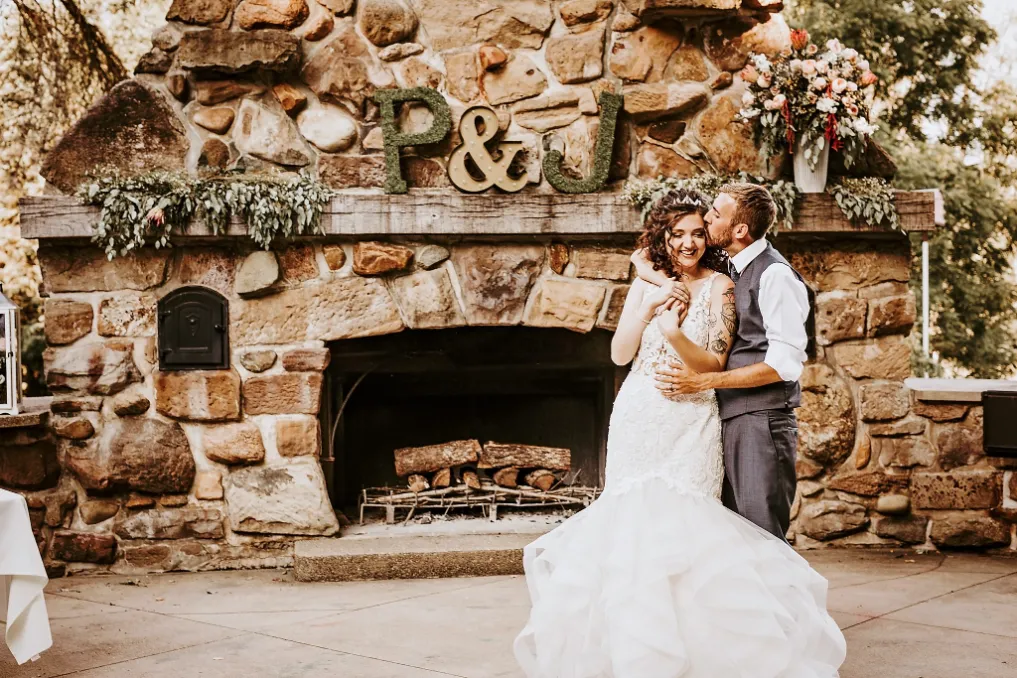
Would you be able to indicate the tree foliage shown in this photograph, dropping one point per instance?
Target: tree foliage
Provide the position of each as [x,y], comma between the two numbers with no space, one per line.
[946,131]
[56,58]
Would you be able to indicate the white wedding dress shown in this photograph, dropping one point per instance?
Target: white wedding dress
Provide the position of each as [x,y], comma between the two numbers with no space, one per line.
[656,579]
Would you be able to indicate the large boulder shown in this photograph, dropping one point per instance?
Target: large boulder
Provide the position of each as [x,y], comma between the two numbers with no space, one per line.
[146,455]
[132,129]
[282,498]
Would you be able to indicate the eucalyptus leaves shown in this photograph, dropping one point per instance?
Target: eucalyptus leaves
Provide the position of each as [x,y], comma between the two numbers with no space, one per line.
[868,200]
[149,208]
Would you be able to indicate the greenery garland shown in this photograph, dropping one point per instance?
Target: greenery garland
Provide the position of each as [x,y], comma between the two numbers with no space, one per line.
[869,199]
[149,208]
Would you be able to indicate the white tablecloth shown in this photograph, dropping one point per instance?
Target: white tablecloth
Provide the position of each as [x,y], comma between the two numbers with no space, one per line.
[22,579]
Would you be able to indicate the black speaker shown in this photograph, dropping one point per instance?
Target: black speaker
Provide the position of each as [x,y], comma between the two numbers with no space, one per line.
[1000,428]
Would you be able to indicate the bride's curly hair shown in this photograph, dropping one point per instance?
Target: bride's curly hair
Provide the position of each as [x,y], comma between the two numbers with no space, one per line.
[674,205]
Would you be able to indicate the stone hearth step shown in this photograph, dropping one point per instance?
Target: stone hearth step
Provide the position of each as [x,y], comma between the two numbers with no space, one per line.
[411,557]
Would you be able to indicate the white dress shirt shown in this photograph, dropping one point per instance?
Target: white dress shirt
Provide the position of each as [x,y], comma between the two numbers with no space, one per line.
[784,304]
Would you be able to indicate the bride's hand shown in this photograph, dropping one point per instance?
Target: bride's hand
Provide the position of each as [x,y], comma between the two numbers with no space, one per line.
[653,301]
[672,318]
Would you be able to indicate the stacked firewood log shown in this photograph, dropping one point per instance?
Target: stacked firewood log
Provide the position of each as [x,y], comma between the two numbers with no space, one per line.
[467,463]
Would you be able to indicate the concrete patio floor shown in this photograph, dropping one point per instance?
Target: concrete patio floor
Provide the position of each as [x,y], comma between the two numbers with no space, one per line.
[905,615]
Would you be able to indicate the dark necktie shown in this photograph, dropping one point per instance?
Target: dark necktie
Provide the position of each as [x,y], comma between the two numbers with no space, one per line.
[732,271]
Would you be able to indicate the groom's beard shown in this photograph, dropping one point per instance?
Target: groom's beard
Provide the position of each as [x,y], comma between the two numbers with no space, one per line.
[723,241]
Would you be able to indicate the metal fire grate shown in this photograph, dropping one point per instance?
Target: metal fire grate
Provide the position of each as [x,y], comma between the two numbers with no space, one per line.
[1000,423]
[488,499]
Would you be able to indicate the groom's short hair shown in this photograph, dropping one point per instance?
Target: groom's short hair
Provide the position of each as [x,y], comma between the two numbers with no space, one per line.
[754,207]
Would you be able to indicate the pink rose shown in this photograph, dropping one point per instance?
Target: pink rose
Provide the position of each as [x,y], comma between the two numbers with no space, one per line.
[820,83]
[796,65]
[823,67]
[809,67]
[764,81]
[779,101]
[839,85]
[850,54]
[869,78]
[812,50]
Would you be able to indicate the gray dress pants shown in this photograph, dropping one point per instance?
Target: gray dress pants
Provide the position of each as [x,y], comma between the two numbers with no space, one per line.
[759,467]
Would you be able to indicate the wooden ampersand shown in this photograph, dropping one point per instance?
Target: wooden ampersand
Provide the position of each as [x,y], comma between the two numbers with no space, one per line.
[495,170]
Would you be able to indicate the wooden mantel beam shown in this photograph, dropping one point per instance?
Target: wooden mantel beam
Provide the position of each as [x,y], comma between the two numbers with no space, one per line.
[441,212]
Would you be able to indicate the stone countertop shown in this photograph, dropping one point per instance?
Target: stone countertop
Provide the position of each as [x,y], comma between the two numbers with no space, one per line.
[35,412]
[957,390]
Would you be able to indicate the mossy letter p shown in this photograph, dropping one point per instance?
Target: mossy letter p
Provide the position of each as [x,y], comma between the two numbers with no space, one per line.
[394,139]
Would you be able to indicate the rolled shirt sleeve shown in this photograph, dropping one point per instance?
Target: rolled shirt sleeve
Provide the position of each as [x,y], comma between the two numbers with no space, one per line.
[784,305]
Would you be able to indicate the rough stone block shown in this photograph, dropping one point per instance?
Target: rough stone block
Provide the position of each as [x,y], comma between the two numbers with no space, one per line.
[86,269]
[171,523]
[969,532]
[297,437]
[290,393]
[885,358]
[67,320]
[83,547]
[427,300]
[571,304]
[892,315]
[883,401]
[234,443]
[101,368]
[839,317]
[198,395]
[981,489]
[127,314]
[909,529]
[287,498]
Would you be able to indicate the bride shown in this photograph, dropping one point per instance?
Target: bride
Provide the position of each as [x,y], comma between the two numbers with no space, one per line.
[656,579]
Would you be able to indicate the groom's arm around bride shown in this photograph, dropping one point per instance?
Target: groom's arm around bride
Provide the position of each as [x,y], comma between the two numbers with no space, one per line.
[759,391]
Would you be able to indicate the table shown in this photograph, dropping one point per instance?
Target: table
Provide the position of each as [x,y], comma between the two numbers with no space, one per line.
[22,579]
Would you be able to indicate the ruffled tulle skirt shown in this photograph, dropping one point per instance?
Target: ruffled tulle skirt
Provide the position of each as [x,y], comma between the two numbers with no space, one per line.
[653,583]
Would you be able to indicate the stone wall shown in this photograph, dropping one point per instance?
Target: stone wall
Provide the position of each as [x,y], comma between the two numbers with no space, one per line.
[876,465]
[285,85]
[216,469]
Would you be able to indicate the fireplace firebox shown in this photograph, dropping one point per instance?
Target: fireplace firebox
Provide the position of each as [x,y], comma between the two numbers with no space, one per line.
[515,385]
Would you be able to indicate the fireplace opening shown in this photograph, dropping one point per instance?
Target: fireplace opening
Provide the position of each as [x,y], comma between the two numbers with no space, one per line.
[531,387]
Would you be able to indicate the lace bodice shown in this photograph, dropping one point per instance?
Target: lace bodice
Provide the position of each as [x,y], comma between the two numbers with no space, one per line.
[655,350]
[676,439]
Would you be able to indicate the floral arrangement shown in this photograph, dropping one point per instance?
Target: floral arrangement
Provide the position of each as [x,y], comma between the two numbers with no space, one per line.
[811,99]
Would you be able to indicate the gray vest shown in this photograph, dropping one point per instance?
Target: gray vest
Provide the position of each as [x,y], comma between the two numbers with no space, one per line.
[750,345]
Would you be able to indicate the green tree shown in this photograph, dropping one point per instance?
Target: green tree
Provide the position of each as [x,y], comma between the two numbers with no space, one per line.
[946,132]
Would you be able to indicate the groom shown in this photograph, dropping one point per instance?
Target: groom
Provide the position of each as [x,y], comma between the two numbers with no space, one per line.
[759,391]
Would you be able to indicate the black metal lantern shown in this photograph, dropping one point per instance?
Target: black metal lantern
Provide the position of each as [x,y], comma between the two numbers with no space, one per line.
[193,330]
[10,355]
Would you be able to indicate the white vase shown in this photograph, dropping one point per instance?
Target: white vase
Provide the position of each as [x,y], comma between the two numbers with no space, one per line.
[807,179]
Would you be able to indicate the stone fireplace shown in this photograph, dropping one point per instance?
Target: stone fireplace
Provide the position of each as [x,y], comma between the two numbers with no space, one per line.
[481,316]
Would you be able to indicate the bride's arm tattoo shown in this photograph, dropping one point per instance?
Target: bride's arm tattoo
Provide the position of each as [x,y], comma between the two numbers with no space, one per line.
[721,337]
